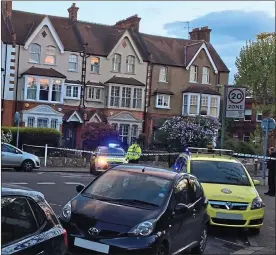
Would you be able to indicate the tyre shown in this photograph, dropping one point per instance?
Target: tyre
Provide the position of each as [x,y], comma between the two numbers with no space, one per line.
[27,165]
[199,249]
[162,249]
[93,169]
[254,231]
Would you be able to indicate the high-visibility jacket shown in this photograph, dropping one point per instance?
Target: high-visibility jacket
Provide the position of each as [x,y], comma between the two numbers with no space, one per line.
[134,152]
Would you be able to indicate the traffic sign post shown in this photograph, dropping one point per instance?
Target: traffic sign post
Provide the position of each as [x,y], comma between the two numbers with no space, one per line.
[267,125]
[235,103]
[17,122]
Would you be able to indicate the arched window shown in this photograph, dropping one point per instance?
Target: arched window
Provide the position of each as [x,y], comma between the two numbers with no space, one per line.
[116,63]
[73,62]
[163,75]
[35,50]
[50,58]
[130,64]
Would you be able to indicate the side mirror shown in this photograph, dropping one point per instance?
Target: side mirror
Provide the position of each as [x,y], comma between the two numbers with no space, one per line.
[181,208]
[79,188]
[256,182]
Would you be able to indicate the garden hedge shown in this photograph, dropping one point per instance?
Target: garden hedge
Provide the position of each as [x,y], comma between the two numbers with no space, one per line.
[34,136]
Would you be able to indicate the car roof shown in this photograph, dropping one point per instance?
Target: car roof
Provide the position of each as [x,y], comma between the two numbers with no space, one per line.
[16,190]
[213,157]
[165,173]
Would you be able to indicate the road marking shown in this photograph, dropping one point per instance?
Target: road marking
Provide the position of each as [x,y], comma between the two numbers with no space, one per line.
[17,183]
[40,173]
[73,183]
[229,242]
[46,183]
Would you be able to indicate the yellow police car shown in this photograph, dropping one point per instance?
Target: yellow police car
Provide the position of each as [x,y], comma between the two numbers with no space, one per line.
[107,157]
[233,198]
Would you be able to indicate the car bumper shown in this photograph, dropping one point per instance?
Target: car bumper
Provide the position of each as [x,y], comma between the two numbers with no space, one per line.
[115,246]
[238,219]
[37,165]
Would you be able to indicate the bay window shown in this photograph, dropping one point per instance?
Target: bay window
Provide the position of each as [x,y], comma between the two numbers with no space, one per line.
[42,122]
[35,50]
[126,97]
[30,122]
[124,133]
[72,92]
[95,65]
[73,62]
[134,132]
[43,89]
[116,63]
[94,93]
[54,123]
[115,96]
[205,75]
[137,98]
[50,58]
[209,104]
[193,73]
[130,63]
[162,101]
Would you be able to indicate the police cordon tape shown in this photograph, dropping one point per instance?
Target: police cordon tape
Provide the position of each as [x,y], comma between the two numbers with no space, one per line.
[240,155]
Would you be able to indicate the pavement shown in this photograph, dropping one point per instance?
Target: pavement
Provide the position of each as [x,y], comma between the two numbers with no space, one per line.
[60,187]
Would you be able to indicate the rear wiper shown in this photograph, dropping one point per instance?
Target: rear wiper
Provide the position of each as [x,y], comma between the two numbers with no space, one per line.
[134,201]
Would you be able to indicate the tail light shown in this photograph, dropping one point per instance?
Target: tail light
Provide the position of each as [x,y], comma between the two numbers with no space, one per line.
[65,238]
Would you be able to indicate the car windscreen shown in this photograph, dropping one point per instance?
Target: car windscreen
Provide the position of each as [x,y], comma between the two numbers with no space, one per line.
[130,188]
[219,172]
[106,151]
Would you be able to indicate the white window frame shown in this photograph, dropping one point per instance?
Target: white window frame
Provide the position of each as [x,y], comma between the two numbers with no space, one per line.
[130,65]
[43,118]
[246,110]
[163,74]
[32,119]
[259,114]
[193,74]
[116,60]
[120,97]
[50,55]
[198,104]
[245,136]
[72,90]
[99,62]
[163,96]
[33,52]
[46,117]
[205,75]
[38,78]
[73,57]
[93,90]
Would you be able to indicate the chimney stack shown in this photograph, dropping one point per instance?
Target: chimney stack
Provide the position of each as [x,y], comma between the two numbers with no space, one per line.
[73,12]
[201,34]
[130,23]
[6,7]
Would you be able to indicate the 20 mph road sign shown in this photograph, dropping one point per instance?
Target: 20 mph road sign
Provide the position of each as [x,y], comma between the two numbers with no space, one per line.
[235,102]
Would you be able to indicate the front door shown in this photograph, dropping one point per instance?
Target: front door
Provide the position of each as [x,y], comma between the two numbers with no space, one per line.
[69,135]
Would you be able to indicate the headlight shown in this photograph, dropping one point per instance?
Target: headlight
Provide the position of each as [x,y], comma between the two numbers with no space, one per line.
[143,229]
[126,161]
[257,203]
[66,211]
[101,161]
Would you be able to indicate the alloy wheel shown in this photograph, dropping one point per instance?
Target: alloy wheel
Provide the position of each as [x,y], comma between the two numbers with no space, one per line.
[203,239]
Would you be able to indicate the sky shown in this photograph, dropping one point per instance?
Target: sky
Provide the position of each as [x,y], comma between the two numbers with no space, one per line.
[232,22]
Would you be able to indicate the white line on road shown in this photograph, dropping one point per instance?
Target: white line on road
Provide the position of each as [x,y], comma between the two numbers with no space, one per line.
[17,183]
[73,183]
[229,242]
[46,183]
[40,173]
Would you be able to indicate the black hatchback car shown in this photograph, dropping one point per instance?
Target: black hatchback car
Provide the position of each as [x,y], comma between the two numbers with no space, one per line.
[29,225]
[138,210]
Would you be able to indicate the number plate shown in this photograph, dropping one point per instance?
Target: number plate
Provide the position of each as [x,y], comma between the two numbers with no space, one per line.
[103,248]
[229,216]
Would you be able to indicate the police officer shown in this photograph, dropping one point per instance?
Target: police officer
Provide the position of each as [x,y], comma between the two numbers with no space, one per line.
[134,152]
[271,165]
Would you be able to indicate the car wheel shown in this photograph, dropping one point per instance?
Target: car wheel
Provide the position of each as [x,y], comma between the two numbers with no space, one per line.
[162,250]
[254,231]
[93,169]
[199,249]
[27,166]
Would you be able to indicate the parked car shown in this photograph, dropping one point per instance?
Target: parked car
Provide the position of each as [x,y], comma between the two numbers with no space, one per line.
[29,225]
[133,209]
[233,198]
[13,157]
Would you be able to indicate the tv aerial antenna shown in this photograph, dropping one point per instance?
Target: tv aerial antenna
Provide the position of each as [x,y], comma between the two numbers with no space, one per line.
[187,26]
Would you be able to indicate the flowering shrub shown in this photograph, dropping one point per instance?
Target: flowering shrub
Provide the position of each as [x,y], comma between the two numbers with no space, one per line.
[6,138]
[181,131]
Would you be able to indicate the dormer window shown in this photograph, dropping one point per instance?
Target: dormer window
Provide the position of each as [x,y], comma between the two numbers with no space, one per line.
[130,64]
[50,58]
[206,75]
[116,63]
[163,75]
[35,53]
[193,73]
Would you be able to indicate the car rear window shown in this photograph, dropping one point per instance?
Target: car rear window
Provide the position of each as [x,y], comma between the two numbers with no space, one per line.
[111,151]
[118,184]
[219,172]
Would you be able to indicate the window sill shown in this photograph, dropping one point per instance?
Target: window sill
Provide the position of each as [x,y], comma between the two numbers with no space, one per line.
[130,73]
[116,72]
[33,62]
[163,82]
[162,107]
[49,64]
[95,73]
[193,82]
[71,98]
[124,108]
[94,100]
[205,83]
[43,101]
[73,71]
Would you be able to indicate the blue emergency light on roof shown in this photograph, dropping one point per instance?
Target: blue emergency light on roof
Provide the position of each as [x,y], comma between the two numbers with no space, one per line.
[112,145]
[186,150]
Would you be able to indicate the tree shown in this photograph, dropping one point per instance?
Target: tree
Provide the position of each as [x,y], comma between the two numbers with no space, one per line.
[256,71]
[95,134]
[6,138]
[181,131]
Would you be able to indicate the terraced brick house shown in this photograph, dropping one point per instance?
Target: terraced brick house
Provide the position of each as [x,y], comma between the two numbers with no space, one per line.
[62,73]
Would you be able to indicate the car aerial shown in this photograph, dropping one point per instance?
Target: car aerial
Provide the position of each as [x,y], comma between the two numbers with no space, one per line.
[29,225]
[233,198]
[106,157]
[138,210]
[12,157]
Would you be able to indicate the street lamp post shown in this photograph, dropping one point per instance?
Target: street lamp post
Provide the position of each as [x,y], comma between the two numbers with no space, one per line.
[223,117]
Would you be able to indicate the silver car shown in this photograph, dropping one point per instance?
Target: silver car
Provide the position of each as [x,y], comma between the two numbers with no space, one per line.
[13,157]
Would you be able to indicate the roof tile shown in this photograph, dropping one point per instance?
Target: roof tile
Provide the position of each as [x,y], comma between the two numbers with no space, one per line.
[124,80]
[44,72]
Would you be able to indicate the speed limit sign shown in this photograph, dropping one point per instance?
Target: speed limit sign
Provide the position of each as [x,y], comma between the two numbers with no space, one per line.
[235,102]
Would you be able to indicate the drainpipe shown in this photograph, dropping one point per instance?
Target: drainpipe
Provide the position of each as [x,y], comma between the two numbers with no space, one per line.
[4,85]
[17,77]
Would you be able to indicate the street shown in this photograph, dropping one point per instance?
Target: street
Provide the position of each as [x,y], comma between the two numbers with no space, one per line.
[59,188]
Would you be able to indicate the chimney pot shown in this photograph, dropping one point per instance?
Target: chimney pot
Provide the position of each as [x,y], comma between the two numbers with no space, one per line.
[201,34]
[73,12]
[131,22]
